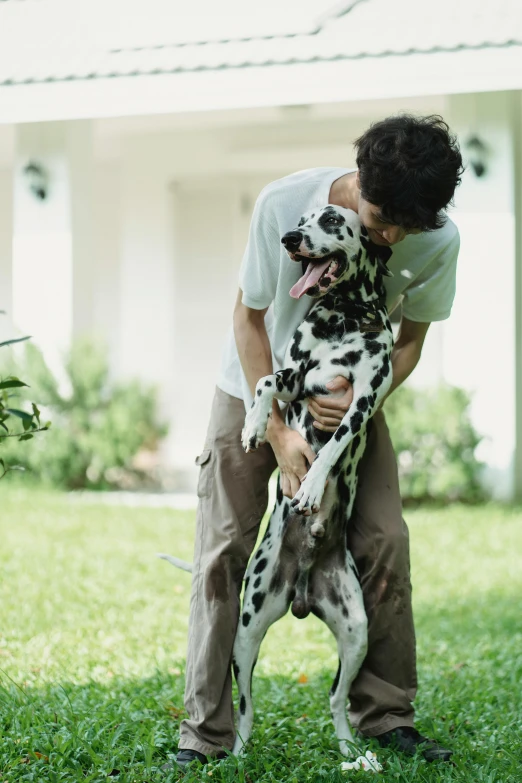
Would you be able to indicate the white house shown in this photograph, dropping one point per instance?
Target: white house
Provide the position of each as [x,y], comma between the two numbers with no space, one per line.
[155,126]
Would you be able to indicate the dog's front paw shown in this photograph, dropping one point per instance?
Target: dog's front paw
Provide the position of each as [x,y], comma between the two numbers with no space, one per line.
[308,498]
[254,431]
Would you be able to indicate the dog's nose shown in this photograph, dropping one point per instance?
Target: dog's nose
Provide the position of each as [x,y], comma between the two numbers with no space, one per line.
[292,240]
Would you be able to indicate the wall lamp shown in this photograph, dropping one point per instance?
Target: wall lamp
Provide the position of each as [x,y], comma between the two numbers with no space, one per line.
[477,154]
[38,179]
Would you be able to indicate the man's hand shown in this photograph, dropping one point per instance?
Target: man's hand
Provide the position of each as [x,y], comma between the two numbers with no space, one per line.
[293,454]
[328,412]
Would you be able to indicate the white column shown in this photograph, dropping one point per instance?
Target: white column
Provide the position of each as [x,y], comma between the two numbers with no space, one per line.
[146,289]
[516,104]
[479,340]
[6,256]
[52,243]
[80,166]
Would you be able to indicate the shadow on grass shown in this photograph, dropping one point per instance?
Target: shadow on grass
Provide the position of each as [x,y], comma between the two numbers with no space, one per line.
[124,729]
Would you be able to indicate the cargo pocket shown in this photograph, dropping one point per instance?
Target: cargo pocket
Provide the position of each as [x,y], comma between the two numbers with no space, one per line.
[205,473]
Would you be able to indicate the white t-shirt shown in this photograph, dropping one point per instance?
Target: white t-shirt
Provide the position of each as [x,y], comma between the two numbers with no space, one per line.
[423,268]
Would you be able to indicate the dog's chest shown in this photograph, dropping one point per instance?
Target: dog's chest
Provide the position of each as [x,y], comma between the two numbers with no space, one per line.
[328,344]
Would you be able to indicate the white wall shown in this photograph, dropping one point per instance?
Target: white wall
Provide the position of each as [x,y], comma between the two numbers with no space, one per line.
[479,339]
[106,256]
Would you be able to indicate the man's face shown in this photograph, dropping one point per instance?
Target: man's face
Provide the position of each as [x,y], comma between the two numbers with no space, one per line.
[380,232]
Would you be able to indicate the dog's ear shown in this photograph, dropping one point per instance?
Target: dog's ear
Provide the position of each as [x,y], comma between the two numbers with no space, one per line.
[378,254]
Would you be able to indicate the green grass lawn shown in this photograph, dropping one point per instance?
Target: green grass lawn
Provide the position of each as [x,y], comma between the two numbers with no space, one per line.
[92,645]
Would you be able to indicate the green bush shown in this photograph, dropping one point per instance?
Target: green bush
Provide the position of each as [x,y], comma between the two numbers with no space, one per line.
[98,426]
[435,444]
[18,423]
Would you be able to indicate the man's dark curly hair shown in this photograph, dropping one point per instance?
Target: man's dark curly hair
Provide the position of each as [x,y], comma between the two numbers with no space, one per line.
[409,167]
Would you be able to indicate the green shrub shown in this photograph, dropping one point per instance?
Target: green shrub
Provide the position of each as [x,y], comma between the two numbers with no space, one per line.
[98,426]
[435,444]
[15,422]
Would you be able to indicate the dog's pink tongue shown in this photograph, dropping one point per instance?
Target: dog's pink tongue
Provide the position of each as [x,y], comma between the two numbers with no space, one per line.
[309,279]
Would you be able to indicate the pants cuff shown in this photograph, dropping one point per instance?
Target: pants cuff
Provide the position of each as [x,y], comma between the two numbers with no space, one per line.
[388,724]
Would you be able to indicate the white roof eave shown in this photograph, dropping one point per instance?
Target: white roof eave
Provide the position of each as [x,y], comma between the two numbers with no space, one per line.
[367,78]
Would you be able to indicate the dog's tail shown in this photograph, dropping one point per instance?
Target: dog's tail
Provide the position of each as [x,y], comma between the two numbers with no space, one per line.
[175,561]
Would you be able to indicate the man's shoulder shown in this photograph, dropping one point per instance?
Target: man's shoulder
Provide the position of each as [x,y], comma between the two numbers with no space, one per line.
[433,243]
[304,182]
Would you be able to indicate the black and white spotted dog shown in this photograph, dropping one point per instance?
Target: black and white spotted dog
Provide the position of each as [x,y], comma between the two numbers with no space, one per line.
[303,560]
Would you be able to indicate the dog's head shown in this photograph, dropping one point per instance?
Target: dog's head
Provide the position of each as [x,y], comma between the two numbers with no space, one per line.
[331,243]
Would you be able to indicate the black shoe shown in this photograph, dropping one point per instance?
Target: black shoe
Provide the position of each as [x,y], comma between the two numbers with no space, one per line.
[188,756]
[408,740]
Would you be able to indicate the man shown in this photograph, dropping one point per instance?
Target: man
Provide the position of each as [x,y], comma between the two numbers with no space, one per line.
[407,172]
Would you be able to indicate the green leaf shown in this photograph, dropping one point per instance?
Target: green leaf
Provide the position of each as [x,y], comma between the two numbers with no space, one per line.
[17,340]
[12,383]
[21,414]
[26,436]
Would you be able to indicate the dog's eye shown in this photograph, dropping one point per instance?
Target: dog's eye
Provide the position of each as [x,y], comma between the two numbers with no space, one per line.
[332,220]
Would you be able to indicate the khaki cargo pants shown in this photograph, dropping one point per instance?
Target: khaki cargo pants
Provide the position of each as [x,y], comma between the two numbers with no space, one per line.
[233,492]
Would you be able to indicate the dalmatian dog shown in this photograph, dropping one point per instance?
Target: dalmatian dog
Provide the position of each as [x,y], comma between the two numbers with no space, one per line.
[303,560]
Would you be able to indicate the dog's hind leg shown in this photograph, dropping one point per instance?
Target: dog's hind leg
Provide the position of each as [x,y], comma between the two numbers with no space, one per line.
[267,597]
[346,618]
[246,649]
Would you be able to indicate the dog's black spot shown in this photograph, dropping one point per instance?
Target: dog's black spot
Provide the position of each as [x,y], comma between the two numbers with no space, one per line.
[257,600]
[258,392]
[341,432]
[279,494]
[247,580]
[318,612]
[257,583]
[242,705]
[268,383]
[260,566]
[332,595]
[344,493]
[336,680]
[357,420]
[246,618]
[235,668]
[349,231]
[356,442]
[330,221]
[350,359]
[362,403]
[258,554]
[277,581]
[337,468]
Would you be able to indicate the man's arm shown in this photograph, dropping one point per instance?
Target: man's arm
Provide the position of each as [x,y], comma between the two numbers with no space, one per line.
[328,412]
[407,350]
[292,452]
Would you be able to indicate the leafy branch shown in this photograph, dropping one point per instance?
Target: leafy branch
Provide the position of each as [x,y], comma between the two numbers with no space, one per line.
[30,421]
